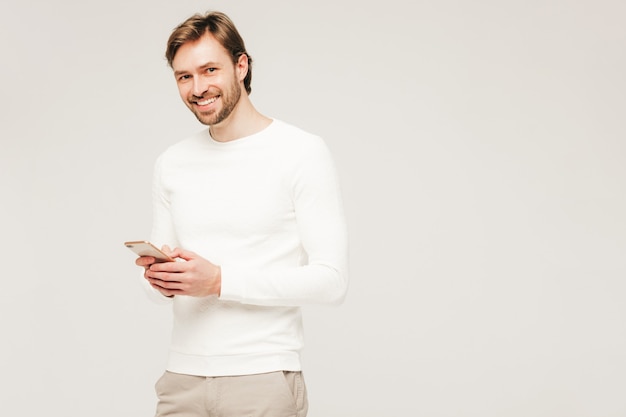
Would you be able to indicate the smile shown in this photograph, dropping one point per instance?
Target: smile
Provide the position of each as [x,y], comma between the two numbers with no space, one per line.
[207,101]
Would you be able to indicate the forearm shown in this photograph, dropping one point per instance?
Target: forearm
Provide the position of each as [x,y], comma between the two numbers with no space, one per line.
[310,284]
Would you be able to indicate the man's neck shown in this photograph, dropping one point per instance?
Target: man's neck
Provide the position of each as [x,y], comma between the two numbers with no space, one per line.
[244,121]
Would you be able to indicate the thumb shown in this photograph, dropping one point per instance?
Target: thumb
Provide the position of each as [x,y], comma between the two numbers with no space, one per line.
[182,254]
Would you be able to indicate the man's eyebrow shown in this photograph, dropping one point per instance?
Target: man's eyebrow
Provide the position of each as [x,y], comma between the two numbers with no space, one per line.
[210,64]
[206,65]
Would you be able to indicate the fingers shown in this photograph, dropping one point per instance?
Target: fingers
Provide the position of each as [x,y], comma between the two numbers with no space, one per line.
[145,261]
[182,254]
[167,288]
[166,274]
[172,267]
[163,284]
[166,292]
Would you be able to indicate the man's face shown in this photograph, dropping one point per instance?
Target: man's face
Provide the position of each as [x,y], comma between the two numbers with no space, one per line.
[208,82]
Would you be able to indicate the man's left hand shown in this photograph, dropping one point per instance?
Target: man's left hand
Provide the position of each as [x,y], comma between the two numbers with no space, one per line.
[194,276]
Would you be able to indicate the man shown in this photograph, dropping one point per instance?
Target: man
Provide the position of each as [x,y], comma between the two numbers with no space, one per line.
[252,208]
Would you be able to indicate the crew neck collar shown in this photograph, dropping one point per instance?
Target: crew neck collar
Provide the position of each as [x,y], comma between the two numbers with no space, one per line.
[243,138]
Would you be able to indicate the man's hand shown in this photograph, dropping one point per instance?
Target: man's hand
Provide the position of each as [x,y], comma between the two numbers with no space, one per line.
[195,276]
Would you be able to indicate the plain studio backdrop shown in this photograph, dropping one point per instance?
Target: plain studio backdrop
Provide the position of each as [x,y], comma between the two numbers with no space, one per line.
[482,153]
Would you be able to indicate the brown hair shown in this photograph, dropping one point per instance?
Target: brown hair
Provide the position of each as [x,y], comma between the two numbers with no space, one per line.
[221,27]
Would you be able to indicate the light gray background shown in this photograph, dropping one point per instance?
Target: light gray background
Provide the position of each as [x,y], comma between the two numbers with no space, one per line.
[481,147]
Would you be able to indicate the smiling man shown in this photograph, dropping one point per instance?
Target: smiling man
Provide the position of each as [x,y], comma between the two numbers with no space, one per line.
[252,209]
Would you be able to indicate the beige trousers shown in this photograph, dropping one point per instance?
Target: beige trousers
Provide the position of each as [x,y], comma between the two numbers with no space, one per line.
[275,394]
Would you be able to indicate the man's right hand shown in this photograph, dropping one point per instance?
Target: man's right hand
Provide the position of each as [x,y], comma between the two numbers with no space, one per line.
[146,262]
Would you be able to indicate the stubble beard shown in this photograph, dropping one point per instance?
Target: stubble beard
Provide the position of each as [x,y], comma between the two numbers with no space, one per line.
[229,99]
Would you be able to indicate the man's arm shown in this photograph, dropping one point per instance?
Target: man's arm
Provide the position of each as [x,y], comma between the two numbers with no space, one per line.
[323,234]
[322,230]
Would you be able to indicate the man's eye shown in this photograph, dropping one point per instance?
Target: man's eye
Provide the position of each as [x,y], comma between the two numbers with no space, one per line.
[184,77]
[211,69]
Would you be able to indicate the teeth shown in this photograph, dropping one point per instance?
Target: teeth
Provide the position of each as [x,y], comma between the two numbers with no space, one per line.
[207,101]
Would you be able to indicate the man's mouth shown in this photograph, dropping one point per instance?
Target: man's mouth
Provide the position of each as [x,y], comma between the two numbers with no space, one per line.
[207,101]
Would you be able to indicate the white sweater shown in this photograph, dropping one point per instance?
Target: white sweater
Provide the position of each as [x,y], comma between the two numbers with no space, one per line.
[267,209]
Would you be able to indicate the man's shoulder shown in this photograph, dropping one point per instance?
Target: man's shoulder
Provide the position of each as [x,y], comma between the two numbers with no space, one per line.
[291,129]
[293,136]
[189,144]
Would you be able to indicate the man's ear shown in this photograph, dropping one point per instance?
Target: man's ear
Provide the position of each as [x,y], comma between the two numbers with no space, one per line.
[242,66]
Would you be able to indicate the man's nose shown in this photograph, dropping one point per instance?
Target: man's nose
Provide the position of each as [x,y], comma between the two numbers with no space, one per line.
[200,86]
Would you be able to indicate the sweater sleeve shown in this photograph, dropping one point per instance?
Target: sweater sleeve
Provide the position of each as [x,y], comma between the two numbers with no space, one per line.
[321,225]
[162,226]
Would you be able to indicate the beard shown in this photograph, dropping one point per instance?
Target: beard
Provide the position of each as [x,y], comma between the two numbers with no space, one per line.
[229,100]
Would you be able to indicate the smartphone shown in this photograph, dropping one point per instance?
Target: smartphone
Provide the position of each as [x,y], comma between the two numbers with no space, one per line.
[145,248]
